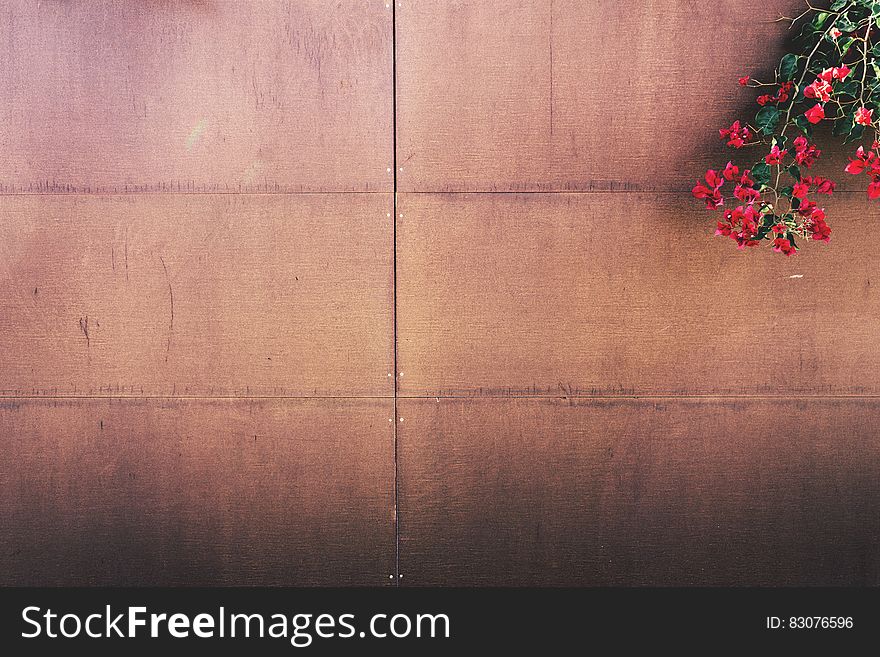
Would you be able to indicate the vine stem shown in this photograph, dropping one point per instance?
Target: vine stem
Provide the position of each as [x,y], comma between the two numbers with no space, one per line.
[801,81]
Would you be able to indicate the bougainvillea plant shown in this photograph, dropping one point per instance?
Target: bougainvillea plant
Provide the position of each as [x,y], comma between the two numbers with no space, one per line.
[831,76]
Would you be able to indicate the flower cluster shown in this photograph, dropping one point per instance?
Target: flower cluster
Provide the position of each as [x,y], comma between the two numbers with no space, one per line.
[832,76]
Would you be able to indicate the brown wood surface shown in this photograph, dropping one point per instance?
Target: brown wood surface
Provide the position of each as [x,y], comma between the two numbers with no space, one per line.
[217,295]
[601,294]
[157,259]
[639,492]
[578,94]
[189,492]
[195,95]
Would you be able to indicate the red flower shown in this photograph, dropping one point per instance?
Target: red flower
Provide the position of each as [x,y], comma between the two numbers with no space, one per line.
[874,189]
[740,224]
[819,229]
[781,96]
[746,194]
[736,135]
[782,245]
[808,208]
[805,153]
[784,91]
[855,167]
[709,192]
[820,90]
[836,73]
[775,156]
[835,33]
[823,185]
[731,171]
[862,160]
[815,113]
[800,189]
[863,116]
[779,229]
[744,80]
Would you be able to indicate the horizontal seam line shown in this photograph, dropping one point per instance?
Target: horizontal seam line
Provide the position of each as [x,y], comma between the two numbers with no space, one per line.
[665,192]
[792,396]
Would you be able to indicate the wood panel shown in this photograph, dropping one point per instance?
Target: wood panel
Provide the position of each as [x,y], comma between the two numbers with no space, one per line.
[639,492]
[601,294]
[577,95]
[196,492]
[195,96]
[173,294]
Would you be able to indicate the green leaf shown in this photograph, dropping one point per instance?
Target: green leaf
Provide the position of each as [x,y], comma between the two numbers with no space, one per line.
[837,4]
[844,24]
[788,67]
[794,172]
[819,20]
[766,119]
[790,238]
[850,88]
[842,126]
[803,125]
[761,173]
[856,133]
[845,44]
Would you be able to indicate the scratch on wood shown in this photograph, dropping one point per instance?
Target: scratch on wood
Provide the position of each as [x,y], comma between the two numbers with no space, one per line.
[126,254]
[84,327]
[171,296]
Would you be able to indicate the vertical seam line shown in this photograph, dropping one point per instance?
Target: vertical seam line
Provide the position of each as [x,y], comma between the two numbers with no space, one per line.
[396,417]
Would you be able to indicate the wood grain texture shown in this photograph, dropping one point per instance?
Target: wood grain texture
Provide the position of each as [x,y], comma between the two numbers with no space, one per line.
[577,94]
[596,294]
[196,295]
[273,95]
[196,492]
[639,492]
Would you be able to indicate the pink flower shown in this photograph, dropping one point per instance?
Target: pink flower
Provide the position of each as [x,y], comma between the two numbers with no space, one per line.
[820,90]
[805,153]
[863,116]
[775,156]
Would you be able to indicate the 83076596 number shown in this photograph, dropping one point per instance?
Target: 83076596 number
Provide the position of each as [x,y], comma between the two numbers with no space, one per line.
[810,623]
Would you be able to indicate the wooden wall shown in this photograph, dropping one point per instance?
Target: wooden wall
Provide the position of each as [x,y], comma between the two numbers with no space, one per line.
[238,347]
